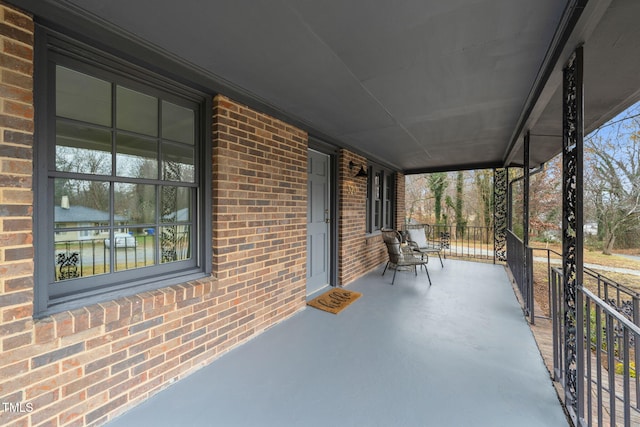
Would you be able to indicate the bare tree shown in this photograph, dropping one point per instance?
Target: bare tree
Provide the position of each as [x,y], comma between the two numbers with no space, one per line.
[612,177]
[545,198]
[416,197]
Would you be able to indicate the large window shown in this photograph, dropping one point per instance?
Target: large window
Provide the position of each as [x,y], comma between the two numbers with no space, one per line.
[120,185]
[380,199]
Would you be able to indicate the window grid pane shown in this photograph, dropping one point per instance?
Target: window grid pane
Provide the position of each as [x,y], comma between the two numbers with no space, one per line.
[136,157]
[82,97]
[82,149]
[136,112]
[379,200]
[96,222]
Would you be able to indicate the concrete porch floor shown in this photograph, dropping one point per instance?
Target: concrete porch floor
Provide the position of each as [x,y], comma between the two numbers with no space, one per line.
[458,353]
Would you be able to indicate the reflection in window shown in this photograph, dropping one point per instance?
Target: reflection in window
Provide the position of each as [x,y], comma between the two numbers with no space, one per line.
[178,123]
[377,192]
[177,162]
[174,243]
[136,112]
[175,204]
[388,202]
[82,149]
[82,97]
[135,203]
[81,203]
[81,213]
[113,208]
[380,199]
[136,157]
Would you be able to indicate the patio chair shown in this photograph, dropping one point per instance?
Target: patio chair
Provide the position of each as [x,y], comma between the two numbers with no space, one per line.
[400,256]
[417,239]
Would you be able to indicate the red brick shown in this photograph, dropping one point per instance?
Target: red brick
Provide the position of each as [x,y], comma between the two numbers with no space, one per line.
[84,382]
[19,20]
[22,167]
[56,355]
[64,324]
[95,416]
[80,320]
[14,137]
[17,341]
[18,65]
[13,370]
[18,196]
[18,109]
[18,254]
[53,383]
[18,80]
[145,388]
[18,49]
[16,123]
[16,298]
[125,386]
[17,312]
[105,361]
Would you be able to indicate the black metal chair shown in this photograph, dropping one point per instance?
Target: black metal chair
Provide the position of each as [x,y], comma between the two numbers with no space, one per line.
[418,240]
[400,256]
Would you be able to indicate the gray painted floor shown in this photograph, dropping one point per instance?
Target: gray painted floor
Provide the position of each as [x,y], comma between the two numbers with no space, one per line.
[458,353]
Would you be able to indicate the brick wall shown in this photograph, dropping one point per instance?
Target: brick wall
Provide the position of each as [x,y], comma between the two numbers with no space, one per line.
[358,253]
[260,219]
[84,366]
[16,197]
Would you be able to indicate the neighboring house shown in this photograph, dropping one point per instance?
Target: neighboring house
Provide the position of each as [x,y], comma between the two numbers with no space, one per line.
[74,217]
[590,229]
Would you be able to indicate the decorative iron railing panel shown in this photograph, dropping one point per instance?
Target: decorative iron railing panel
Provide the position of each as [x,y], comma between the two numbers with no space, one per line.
[500,200]
[572,221]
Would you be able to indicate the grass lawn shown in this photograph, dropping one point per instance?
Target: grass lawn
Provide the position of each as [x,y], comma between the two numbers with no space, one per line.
[592,257]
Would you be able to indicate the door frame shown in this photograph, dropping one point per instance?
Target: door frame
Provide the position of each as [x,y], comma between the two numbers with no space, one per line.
[332,151]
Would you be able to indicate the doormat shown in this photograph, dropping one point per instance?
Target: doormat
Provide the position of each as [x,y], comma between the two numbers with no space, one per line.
[335,300]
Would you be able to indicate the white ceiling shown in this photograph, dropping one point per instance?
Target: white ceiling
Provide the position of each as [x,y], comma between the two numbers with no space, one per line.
[417,84]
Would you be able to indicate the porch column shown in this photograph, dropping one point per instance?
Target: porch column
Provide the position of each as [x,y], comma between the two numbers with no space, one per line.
[572,189]
[500,214]
[528,285]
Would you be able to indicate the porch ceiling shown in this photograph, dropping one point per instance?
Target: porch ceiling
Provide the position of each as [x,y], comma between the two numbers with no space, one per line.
[418,84]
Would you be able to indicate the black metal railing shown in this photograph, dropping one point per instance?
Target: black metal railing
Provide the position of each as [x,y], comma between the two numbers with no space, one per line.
[551,258]
[463,242]
[88,257]
[78,258]
[608,389]
[522,273]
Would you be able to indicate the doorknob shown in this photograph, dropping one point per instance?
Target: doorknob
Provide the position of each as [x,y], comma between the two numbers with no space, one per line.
[326,216]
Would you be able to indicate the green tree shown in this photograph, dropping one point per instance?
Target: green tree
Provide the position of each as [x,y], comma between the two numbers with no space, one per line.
[438,184]
[461,221]
[484,188]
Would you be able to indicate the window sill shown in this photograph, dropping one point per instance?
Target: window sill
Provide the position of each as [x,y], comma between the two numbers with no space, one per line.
[74,302]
